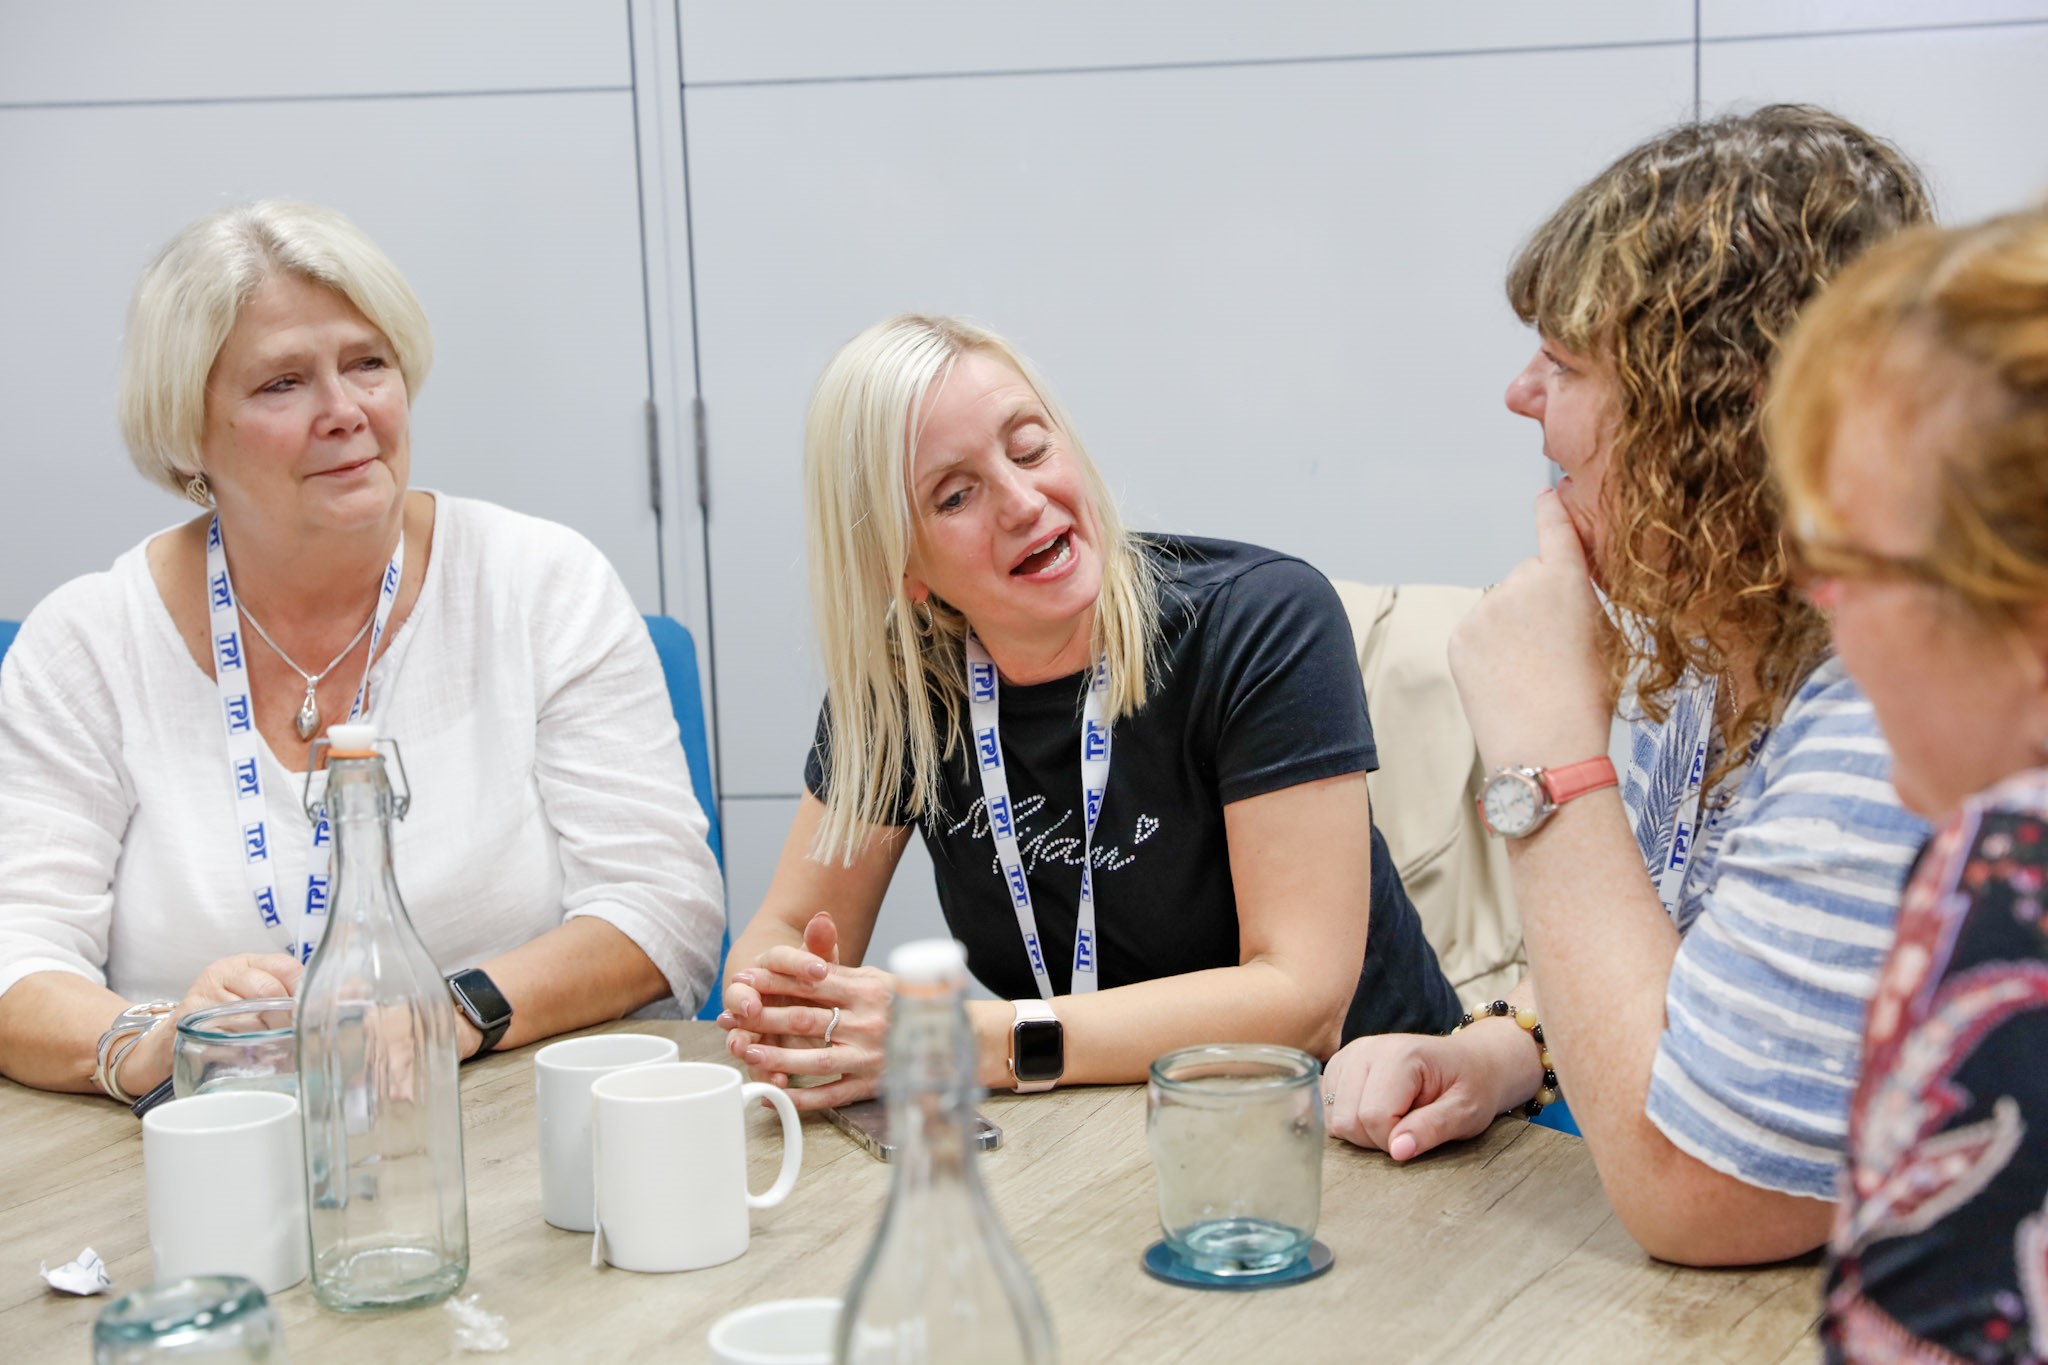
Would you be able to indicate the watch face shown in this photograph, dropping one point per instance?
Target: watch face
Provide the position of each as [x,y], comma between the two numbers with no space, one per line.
[1511,803]
[1038,1048]
[476,990]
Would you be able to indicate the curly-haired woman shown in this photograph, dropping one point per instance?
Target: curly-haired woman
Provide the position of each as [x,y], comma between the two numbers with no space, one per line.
[1703,1018]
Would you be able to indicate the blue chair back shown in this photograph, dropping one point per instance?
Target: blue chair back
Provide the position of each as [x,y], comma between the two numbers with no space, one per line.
[7,629]
[678,654]
[1559,1117]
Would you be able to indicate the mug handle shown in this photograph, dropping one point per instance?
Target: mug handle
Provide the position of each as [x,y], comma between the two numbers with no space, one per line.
[792,1143]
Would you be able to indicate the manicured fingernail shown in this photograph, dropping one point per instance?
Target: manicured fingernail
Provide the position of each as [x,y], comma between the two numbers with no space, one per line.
[754,1056]
[725,1019]
[747,977]
[1402,1147]
[817,971]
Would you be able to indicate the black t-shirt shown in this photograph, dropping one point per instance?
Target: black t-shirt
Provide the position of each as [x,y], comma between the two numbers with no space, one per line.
[1257,689]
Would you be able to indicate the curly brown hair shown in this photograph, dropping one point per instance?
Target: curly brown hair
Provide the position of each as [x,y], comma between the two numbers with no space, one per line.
[1679,269]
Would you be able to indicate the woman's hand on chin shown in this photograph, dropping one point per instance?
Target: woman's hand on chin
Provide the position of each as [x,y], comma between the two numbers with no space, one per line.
[1526,658]
[778,1011]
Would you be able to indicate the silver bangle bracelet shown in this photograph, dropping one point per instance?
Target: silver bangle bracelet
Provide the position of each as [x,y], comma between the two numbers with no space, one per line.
[130,1027]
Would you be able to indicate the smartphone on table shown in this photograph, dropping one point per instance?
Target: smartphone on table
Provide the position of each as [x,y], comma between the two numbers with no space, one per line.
[867,1123]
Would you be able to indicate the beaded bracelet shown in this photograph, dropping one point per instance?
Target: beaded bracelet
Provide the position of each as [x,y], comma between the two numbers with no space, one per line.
[1548,1092]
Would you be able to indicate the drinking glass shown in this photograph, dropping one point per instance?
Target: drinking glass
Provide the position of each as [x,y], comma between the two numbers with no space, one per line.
[1236,1131]
[242,1045]
[217,1318]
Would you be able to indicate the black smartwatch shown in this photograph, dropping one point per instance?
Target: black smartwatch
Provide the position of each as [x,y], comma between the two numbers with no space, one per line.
[483,1004]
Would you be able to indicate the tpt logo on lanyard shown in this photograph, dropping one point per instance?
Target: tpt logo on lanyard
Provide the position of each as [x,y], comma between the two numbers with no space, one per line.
[245,751]
[984,718]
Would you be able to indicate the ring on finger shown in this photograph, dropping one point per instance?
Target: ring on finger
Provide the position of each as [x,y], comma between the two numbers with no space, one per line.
[831,1025]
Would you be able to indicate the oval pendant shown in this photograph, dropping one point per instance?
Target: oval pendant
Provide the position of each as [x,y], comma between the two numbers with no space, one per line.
[308,722]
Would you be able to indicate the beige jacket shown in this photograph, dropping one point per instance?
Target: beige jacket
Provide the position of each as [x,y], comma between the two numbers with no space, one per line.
[1429,778]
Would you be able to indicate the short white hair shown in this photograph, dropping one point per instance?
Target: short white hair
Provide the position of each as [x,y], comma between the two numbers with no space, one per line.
[189,297]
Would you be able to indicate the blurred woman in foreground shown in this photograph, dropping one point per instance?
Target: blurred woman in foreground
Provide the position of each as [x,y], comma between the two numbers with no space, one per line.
[1910,430]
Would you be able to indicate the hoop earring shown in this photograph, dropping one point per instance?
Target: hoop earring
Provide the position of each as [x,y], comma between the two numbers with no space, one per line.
[924,624]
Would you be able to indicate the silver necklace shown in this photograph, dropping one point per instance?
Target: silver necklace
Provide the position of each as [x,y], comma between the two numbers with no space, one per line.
[307,723]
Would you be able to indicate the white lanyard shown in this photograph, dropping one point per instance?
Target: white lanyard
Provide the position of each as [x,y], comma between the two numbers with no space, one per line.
[1687,822]
[1002,824]
[245,748]
[1685,811]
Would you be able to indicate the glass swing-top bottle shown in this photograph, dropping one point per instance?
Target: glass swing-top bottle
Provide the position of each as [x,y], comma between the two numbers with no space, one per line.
[942,1281]
[380,1099]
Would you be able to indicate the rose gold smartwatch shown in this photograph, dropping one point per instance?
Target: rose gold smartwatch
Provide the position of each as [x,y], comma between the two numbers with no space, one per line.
[1515,802]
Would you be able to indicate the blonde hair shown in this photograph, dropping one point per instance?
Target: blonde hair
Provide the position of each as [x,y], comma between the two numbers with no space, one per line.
[1679,268]
[886,671]
[1974,301]
[190,295]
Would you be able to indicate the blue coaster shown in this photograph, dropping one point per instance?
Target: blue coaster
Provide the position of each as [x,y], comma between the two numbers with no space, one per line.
[1161,1262]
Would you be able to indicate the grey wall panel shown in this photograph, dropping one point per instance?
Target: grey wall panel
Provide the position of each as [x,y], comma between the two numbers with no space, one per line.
[1271,296]
[227,49]
[1963,102]
[515,218]
[1744,18]
[727,40]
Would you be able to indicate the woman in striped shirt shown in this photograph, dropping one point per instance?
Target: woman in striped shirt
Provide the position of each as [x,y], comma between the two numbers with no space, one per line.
[1703,1019]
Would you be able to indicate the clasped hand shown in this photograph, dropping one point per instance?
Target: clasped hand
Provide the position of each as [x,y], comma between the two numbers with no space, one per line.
[245,976]
[1405,1093]
[778,1010]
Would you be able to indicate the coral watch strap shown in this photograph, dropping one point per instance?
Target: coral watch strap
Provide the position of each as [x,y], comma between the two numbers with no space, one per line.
[1576,779]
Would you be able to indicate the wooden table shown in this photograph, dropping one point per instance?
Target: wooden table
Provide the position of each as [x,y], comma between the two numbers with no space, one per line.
[1502,1249]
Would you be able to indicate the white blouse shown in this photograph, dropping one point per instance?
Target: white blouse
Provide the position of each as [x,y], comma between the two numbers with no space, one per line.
[547,776]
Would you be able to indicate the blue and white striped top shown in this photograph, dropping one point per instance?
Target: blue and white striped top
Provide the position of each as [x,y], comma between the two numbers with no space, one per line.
[1786,913]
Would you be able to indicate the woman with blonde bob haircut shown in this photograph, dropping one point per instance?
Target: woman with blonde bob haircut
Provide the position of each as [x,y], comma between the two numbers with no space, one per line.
[1909,428]
[1069,714]
[157,719]
[1702,1017]
[187,304]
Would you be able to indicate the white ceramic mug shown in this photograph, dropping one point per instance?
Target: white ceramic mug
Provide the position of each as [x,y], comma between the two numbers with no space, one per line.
[669,1153]
[562,1076]
[779,1332]
[225,1176]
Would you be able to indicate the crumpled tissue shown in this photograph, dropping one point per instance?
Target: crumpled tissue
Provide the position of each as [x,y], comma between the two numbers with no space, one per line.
[477,1328]
[86,1275]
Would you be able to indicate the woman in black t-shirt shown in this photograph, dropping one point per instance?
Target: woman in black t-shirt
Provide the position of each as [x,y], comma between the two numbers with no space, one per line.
[1138,762]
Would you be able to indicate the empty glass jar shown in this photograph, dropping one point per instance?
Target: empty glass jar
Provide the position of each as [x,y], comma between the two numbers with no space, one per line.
[1236,1131]
[214,1318]
[242,1045]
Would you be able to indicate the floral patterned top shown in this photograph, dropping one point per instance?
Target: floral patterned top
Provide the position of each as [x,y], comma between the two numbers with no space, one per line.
[1940,1248]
